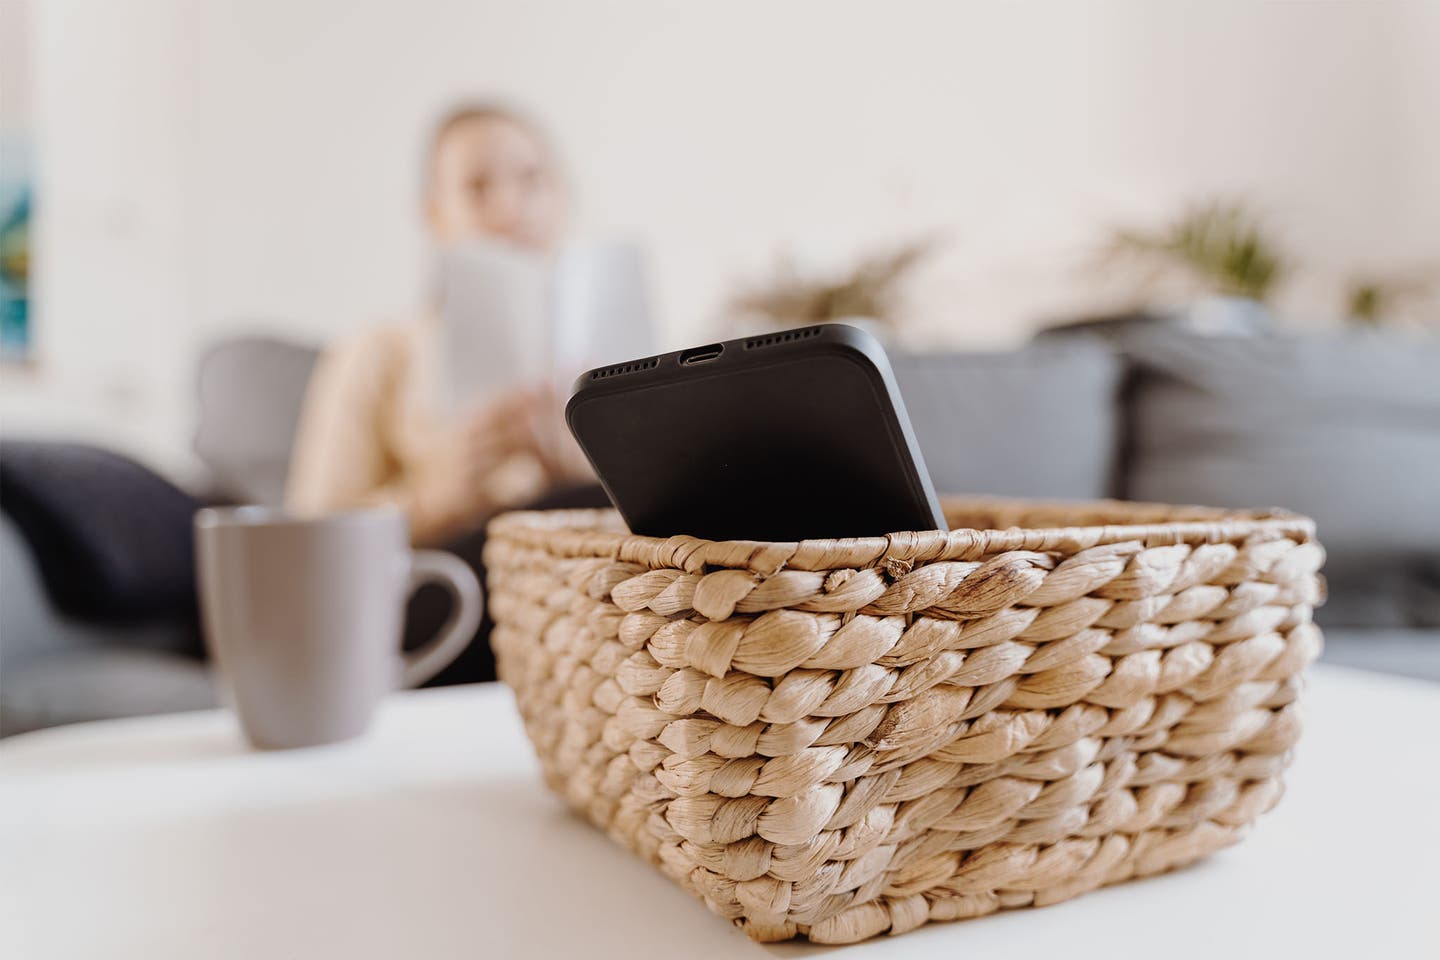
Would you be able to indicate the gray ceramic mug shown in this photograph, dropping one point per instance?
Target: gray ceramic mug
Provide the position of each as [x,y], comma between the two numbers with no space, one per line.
[304,617]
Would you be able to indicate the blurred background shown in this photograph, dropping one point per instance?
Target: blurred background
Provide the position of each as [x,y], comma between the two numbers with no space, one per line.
[198,197]
[202,169]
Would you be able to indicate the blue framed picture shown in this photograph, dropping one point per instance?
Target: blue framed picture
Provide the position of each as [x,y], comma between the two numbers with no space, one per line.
[15,240]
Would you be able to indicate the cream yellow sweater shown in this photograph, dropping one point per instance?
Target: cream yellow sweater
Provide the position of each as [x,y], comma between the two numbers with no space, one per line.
[372,431]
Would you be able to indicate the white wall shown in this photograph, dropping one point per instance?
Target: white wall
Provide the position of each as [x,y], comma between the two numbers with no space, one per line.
[209,167]
[111,289]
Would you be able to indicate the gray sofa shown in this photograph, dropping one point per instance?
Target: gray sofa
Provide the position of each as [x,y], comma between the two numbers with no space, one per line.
[56,668]
[1345,429]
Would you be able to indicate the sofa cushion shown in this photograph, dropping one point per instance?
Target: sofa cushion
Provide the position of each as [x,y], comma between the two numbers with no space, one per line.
[1409,653]
[1039,422]
[1343,428]
[99,683]
[251,390]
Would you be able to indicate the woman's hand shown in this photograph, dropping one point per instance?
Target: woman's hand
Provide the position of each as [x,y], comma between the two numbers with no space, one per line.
[459,471]
[560,456]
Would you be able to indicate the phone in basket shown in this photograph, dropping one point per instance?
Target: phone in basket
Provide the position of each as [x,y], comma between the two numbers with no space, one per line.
[786,436]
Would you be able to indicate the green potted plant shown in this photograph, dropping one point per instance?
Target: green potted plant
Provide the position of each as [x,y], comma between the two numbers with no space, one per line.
[1372,301]
[1221,247]
[868,293]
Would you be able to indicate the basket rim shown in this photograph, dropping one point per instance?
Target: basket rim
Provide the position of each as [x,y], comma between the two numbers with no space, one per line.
[590,533]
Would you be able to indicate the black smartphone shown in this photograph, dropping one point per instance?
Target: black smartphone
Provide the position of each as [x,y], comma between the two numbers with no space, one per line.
[786,436]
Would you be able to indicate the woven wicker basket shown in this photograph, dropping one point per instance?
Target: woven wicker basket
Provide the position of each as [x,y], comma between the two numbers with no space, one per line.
[839,738]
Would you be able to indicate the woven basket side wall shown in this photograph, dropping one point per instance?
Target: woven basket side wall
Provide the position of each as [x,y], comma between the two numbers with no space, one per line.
[840,753]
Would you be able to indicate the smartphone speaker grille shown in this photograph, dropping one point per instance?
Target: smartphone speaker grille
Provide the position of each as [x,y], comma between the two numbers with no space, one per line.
[754,343]
[606,373]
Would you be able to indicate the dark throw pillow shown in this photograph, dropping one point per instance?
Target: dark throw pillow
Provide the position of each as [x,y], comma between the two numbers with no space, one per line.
[112,539]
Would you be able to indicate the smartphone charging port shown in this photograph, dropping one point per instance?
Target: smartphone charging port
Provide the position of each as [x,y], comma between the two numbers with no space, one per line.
[703,354]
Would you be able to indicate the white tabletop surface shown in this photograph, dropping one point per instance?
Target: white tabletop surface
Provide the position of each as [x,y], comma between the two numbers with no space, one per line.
[433,838]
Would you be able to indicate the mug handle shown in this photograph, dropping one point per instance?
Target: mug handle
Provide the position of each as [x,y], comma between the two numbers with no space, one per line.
[467,605]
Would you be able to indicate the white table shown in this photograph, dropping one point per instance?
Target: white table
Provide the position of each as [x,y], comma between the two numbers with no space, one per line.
[433,838]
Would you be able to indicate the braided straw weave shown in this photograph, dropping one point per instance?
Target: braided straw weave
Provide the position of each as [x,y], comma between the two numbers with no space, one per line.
[839,738]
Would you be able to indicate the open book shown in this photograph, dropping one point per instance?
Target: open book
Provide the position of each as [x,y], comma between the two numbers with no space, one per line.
[512,318]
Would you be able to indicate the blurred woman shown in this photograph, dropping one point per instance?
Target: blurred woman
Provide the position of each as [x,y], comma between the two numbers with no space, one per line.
[374,429]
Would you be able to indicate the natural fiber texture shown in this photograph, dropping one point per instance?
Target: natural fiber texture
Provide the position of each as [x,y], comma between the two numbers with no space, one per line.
[840,738]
